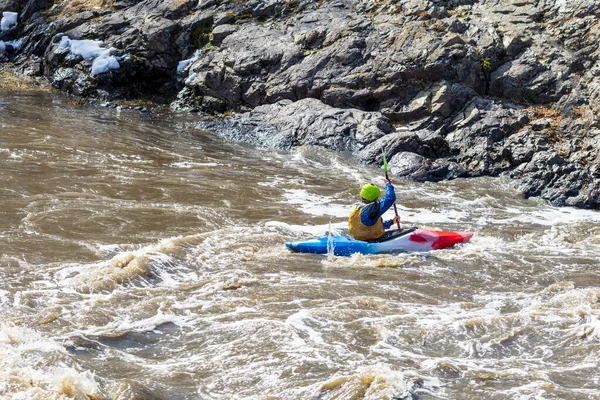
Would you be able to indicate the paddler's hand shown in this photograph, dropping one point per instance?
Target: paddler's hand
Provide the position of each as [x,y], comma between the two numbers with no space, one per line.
[396,220]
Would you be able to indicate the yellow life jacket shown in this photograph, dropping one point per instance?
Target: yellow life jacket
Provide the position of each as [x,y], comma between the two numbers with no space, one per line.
[360,231]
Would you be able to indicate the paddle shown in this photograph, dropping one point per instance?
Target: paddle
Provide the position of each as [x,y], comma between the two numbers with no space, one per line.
[385,171]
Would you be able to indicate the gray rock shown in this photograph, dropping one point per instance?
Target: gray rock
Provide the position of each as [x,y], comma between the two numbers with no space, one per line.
[204,4]
[420,169]
[62,78]
[305,122]
[264,8]
[33,67]
[120,4]
[10,5]
[405,164]
[400,141]
[422,142]
[221,32]
[30,8]
[551,177]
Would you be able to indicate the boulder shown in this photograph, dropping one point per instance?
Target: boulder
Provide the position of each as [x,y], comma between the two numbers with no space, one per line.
[306,122]
[418,168]
[221,32]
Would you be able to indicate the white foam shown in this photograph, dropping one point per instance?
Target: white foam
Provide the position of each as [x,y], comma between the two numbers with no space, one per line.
[552,216]
[298,323]
[227,283]
[191,164]
[426,216]
[34,367]
[314,230]
[589,329]
[126,324]
[320,158]
[360,261]
[123,268]
[378,381]
[314,204]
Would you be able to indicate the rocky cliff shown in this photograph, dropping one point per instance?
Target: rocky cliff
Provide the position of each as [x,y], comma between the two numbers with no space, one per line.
[447,88]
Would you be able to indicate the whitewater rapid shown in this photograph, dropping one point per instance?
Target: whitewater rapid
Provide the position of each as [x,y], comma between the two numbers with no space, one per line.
[142,257]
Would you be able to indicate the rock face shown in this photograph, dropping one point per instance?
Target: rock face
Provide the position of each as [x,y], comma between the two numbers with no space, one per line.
[448,89]
[305,122]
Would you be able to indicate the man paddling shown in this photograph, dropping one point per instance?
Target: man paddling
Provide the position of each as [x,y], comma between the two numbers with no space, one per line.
[365,221]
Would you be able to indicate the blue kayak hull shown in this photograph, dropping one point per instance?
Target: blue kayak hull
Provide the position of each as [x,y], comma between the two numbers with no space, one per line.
[412,240]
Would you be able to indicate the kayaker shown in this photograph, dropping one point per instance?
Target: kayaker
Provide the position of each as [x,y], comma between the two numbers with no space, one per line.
[365,221]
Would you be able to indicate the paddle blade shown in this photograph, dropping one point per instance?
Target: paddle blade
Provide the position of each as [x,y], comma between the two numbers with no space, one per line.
[385,169]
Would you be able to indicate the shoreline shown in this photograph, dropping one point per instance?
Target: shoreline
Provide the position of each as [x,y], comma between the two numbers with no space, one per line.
[459,90]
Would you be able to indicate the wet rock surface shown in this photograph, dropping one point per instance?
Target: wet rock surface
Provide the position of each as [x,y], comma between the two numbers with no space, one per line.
[448,89]
[286,124]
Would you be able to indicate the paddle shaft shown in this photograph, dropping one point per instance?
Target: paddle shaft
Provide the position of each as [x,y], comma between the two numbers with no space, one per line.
[395,208]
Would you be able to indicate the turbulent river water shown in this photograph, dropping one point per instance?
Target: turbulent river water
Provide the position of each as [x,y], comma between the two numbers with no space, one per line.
[143,258]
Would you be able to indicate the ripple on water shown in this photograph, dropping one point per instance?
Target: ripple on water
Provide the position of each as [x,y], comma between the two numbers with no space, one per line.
[152,253]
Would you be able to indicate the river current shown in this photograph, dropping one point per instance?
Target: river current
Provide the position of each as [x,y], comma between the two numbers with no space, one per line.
[140,256]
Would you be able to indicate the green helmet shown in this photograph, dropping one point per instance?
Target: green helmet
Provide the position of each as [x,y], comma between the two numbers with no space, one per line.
[370,192]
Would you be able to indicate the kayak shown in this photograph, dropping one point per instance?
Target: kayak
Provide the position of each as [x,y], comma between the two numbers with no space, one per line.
[407,240]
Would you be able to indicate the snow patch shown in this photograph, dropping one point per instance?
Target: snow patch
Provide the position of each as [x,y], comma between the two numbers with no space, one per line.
[9,20]
[16,44]
[184,63]
[190,78]
[103,61]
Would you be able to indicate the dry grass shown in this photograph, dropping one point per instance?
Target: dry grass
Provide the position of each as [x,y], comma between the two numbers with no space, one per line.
[554,115]
[579,112]
[77,101]
[135,103]
[543,112]
[70,7]
[13,82]
[538,112]
[554,133]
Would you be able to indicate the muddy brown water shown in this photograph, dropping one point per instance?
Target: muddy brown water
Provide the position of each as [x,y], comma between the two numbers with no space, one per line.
[142,256]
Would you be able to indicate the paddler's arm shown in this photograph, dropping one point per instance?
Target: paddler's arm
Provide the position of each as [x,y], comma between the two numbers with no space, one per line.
[385,203]
[373,211]
[388,200]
